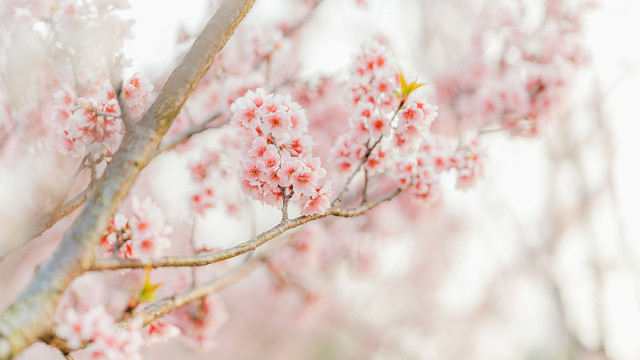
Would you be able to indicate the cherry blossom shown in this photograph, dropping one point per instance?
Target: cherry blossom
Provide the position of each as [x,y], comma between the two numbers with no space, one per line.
[88,125]
[160,331]
[319,202]
[279,152]
[137,92]
[199,321]
[96,327]
[143,235]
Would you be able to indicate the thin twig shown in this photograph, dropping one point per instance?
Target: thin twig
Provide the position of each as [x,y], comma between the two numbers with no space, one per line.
[285,203]
[96,112]
[67,208]
[344,190]
[245,247]
[6,136]
[302,21]
[193,130]
[167,305]
[284,280]
[491,130]
[366,183]
[193,245]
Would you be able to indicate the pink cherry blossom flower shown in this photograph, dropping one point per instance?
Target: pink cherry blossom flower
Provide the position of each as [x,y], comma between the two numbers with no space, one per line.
[117,231]
[84,125]
[377,160]
[276,123]
[313,164]
[271,157]
[252,170]
[160,331]
[319,203]
[288,168]
[141,236]
[198,171]
[74,328]
[254,189]
[469,164]
[259,146]
[245,110]
[360,127]
[379,126]
[304,181]
[300,146]
[203,200]
[272,196]
[405,171]
[278,152]
[200,320]
[299,124]
[347,152]
[112,343]
[137,93]
[410,116]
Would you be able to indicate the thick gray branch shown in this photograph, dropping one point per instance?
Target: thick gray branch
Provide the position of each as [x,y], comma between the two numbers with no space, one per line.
[31,316]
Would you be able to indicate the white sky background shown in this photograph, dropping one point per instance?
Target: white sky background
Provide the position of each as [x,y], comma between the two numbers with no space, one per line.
[613,35]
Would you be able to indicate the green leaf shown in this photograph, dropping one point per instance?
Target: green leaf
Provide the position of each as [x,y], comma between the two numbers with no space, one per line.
[403,84]
[407,89]
[148,292]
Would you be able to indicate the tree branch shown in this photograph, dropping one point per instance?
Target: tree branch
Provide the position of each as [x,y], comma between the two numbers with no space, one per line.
[162,307]
[52,218]
[195,129]
[295,27]
[65,209]
[344,190]
[245,247]
[31,316]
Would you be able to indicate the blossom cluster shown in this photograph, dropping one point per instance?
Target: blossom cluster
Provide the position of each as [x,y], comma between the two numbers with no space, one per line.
[97,329]
[160,331]
[414,122]
[137,95]
[208,166]
[523,87]
[375,77]
[88,125]
[92,124]
[373,86]
[385,119]
[398,138]
[251,46]
[420,174]
[143,235]
[199,321]
[89,328]
[278,160]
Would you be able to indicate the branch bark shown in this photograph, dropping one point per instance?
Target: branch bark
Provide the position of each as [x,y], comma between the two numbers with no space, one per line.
[30,317]
[245,247]
[162,307]
[166,305]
